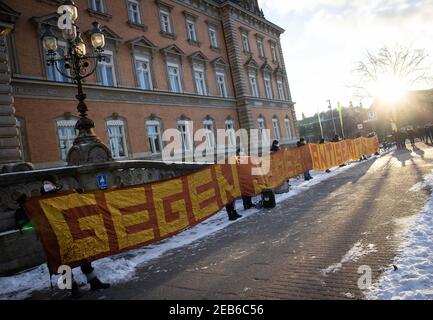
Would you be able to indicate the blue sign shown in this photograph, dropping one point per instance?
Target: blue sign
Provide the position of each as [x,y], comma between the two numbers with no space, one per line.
[102,182]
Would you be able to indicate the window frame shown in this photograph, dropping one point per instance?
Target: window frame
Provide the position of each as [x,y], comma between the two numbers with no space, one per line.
[186,147]
[65,124]
[190,21]
[254,89]
[164,11]
[221,93]
[92,6]
[100,77]
[154,123]
[281,89]
[213,29]
[288,125]
[143,58]
[267,82]
[200,70]
[139,17]
[276,127]
[245,42]
[122,124]
[210,133]
[179,80]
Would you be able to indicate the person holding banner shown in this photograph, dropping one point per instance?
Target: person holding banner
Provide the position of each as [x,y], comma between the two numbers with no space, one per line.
[50,186]
[300,144]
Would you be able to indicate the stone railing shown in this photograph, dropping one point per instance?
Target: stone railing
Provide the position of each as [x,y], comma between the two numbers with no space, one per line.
[21,251]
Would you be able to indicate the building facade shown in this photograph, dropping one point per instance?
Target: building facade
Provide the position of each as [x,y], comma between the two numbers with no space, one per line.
[218,63]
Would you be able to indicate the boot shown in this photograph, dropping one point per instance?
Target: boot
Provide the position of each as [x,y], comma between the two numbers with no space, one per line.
[236,214]
[233,215]
[96,284]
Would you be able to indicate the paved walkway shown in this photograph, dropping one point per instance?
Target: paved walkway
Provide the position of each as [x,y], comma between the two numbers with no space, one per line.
[299,250]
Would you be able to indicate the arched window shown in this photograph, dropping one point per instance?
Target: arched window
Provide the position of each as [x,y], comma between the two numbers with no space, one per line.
[276,126]
[153,127]
[288,128]
[66,134]
[208,125]
[230,128]
[117,138]
[184,126]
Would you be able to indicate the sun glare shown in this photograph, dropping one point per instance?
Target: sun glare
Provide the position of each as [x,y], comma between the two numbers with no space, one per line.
[391,90]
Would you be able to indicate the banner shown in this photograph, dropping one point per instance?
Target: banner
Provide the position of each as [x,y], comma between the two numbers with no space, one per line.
[77,228]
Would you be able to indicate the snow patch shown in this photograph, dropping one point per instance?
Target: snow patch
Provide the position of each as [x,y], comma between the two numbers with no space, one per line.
[428,182]
[358,250]
[414,278]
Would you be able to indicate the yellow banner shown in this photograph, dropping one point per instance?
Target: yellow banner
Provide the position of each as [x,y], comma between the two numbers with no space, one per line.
[77,228]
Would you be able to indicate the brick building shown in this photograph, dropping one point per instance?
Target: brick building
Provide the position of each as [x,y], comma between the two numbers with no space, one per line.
[218,63]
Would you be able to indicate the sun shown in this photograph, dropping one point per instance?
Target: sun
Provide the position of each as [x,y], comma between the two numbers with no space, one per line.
[390,89]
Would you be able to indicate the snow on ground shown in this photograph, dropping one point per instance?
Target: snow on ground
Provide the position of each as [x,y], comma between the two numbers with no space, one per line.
[122,267]
[358,250]
[414,278]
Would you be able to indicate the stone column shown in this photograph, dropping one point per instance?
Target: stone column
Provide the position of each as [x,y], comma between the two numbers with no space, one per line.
[231,34]
[10,149]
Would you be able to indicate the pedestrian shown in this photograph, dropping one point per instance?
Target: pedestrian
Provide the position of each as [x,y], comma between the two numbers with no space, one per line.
[246,200]
[411,136]
[21,219]
[427,137]
[322,141]
[300,144]
[49,186]
[275,146]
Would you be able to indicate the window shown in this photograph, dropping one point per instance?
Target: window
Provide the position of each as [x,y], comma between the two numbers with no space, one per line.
[164,17]
[210,139]
[53,73]
[142,67]
[260,47]
[261,125]
[154,136]
[97,5]
[190,25]
[174,77]
[106,75]
[221,82]
[116,138]
[66,134]
[281,89]
[276,126]
[273,53]
[288,128]
[253,84]
[245,42]
[184,131]
[268,85]
[213,37]
[134,12]
[230,132]
[200,82]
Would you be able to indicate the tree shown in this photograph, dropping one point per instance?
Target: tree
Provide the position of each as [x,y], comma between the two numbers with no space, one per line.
[392,69]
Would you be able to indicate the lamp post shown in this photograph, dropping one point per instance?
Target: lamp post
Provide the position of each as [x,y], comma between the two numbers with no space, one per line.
[332,115]
[87,147]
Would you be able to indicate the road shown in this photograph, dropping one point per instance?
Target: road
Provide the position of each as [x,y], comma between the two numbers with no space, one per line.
[294,250]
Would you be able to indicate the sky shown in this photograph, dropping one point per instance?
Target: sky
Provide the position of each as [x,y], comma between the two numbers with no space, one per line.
[325,38]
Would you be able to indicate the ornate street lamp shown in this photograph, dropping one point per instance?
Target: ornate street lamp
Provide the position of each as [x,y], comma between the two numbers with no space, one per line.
[87,147]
